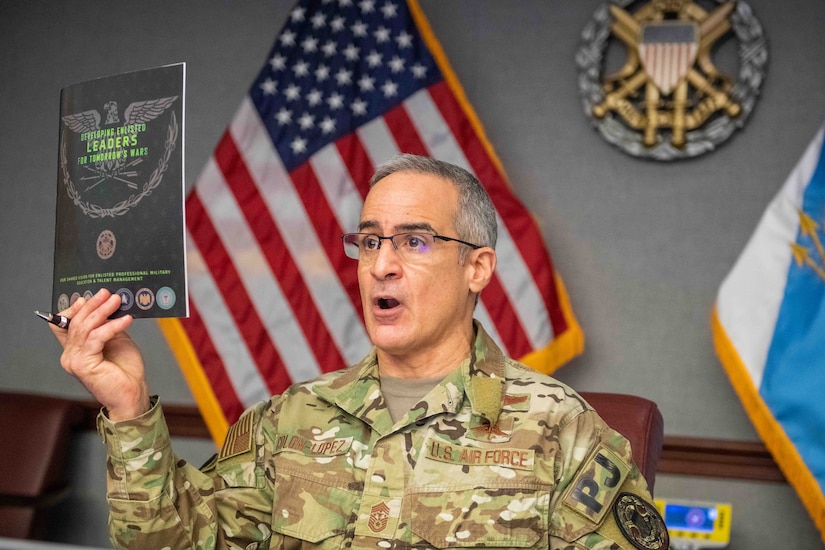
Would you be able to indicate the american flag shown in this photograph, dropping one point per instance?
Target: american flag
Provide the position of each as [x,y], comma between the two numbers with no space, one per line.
[274,300]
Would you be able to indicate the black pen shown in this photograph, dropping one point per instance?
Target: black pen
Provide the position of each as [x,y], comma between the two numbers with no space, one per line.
[59,320]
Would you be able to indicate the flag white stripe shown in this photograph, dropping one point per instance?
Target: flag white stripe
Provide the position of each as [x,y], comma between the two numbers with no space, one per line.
[377,140]
[341,193]
[288,213]
[515,277]
[257,277]
[769,255]
[239,365]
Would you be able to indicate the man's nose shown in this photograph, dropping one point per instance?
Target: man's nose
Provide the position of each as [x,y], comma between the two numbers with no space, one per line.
[386,260]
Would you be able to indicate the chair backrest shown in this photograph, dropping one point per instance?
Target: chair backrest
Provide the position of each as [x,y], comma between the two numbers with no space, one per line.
[639,420]
[34,435]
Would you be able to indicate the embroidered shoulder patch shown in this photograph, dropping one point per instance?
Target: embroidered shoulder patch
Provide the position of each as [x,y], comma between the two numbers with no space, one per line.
[239,438]
[640,523]
[599,480]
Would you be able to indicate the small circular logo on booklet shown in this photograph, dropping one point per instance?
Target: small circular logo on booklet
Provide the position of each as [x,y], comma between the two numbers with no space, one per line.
[166,297]
[127,299]
[63,302]
[144,298]
[106,244]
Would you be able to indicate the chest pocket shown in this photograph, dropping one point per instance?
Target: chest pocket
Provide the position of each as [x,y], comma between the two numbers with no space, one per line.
[312,511]
[313,496]
[514,516]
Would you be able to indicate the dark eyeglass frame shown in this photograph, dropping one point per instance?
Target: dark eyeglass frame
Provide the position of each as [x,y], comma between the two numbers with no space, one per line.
[391,238]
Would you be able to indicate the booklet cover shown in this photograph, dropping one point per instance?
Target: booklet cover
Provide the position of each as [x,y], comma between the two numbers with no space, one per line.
[120,193]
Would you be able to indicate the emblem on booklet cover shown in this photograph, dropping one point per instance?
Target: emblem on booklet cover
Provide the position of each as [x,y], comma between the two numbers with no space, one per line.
[144,298]
[165,297]
[106,244]
[669,99]
[127,299]
[114,180]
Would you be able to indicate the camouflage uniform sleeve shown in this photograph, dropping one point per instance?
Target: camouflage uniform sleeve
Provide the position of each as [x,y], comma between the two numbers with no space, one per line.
[602,500]
[155,499]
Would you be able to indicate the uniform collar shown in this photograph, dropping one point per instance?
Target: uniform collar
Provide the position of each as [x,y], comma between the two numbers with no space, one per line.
[479,378]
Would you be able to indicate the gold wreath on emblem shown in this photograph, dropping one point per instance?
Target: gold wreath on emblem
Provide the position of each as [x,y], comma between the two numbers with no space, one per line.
[669,100]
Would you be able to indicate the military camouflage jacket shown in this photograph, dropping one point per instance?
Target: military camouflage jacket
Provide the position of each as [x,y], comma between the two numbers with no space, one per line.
[496,456]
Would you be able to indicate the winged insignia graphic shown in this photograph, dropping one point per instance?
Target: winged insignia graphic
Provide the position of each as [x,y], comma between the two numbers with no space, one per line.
[117,169]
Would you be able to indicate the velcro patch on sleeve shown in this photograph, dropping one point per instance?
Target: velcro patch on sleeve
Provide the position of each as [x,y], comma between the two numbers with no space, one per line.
[239,439]
[594,489]
[640,523]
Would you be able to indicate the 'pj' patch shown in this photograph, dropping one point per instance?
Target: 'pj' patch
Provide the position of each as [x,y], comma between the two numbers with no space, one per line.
[594,488]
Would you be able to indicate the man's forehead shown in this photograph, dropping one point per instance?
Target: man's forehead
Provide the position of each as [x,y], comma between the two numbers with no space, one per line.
[407,185]
[403,227]
[409,201]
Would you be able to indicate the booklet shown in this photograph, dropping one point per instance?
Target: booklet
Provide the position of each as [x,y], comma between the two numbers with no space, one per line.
[120,193]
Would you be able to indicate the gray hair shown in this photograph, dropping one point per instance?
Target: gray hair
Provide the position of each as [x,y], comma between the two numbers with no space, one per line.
[475,215]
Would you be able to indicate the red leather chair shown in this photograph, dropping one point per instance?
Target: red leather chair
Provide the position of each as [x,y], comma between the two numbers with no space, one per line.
[34,435]
[639,420]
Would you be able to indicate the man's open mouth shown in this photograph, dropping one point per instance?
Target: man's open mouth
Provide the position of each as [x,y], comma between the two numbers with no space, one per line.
[387,303]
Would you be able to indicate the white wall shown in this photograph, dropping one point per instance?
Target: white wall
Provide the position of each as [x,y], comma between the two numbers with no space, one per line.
[642,246]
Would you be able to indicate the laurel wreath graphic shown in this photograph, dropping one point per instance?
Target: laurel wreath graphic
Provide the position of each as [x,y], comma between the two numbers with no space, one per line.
[96,211]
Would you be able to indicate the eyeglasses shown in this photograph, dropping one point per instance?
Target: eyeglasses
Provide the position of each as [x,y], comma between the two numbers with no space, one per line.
[409,246]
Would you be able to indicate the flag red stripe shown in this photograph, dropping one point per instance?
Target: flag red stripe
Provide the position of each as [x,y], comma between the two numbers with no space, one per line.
[238,302]
[329,232]
[495,299]
[508,325]
[404,132]
[358,163]
[517,219]
[213,367]
[274,248]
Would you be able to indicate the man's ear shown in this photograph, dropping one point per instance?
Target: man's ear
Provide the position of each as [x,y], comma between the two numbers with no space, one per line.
[481,263]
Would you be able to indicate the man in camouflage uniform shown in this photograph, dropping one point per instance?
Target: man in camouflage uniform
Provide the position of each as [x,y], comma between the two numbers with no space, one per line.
[435,440]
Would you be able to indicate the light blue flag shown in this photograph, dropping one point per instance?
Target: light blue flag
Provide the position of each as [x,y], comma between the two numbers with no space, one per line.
[769,328]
